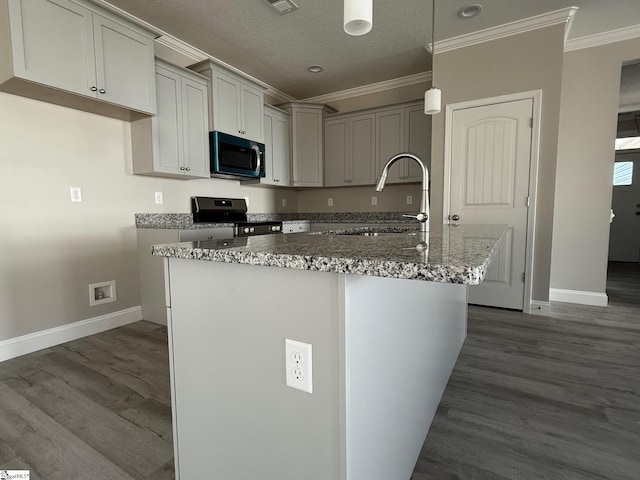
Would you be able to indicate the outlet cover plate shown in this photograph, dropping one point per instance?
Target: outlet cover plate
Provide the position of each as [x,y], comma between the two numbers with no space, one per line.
[299,365]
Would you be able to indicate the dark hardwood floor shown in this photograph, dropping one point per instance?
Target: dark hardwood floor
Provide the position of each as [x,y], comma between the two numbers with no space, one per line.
[544,398]
[530,398]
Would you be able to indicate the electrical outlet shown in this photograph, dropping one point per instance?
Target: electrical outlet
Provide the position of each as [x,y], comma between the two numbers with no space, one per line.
[159,198]
[76,194]
[284,202]
[374,200]
[330,202]
[298,365]
[409,199]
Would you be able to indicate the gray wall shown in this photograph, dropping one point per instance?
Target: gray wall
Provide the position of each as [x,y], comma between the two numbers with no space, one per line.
[51,249]
[590,95]
[519,63]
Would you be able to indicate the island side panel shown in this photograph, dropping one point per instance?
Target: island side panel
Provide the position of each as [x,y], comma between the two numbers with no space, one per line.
[235,417]
[402,338]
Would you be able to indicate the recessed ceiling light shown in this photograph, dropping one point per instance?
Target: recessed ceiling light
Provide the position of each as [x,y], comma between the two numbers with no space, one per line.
[315,68]
[470,11]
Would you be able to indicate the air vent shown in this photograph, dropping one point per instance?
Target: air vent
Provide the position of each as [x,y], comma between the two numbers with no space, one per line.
[282,6]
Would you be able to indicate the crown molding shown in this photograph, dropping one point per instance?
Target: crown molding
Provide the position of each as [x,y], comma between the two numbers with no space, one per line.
[372,88]
[189,51]
[557,17]
[603,38]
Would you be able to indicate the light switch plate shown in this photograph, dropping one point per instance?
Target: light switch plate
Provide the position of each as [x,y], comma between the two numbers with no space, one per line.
[330,202]
[159,198]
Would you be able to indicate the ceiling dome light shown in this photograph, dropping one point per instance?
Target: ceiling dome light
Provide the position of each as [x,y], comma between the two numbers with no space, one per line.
[358,16]
[315,68]
[470,11]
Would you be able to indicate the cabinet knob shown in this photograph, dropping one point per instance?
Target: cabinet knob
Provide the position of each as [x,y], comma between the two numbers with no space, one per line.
[181,168]
[102,90]
[188,169]
[94,89]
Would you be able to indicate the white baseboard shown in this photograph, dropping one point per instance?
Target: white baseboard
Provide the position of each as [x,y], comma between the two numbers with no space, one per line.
[578,296]
[538,307]
[14,347]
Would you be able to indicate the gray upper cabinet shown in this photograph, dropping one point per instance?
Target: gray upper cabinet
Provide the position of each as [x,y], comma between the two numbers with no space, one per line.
[175,142]
[277,148]
[75,47]
[403,129]
[350,145]
[306,127]
[237,104]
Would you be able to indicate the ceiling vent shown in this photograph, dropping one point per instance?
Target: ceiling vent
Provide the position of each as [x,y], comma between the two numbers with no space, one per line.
[282,6]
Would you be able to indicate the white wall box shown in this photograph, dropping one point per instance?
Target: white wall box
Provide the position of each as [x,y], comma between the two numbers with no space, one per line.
[237,104]
[175,142]
[74,53]
[152,281]
[306,127]
[350,150]
[277,147]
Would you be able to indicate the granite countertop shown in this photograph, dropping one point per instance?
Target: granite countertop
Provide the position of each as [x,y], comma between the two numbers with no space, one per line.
[185,220]
[456,254]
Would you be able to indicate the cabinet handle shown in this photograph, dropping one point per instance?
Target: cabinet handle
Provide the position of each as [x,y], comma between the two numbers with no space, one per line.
[102,90]
[210,237]
[94,89]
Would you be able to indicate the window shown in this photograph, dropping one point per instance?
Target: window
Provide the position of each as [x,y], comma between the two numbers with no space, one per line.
[628,143]
[622,173]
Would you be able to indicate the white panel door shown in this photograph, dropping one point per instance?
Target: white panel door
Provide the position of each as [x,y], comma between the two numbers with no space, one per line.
[490,158]
[624,239]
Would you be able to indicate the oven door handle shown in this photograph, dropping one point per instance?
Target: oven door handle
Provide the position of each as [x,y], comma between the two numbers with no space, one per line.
[258,159]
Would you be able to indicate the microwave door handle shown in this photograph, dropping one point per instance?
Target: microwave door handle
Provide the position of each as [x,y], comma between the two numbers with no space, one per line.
[258,159]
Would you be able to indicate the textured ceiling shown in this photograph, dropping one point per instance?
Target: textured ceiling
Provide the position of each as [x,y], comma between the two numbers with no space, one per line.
[276,49]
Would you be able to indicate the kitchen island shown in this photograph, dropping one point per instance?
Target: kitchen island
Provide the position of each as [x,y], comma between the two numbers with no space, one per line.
[385,315]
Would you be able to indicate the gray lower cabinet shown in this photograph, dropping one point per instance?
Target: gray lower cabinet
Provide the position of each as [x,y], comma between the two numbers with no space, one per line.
[76,48]
[152,285]
[175,142]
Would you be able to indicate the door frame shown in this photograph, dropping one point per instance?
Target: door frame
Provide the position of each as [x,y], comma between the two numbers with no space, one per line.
[536,96]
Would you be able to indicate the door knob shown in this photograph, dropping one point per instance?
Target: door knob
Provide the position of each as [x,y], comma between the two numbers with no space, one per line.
[454,217]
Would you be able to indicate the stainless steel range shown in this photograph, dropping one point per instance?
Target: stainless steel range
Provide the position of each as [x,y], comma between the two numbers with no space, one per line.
[231,210]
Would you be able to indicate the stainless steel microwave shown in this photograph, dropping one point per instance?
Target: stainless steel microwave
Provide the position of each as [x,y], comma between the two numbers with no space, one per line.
[236,156]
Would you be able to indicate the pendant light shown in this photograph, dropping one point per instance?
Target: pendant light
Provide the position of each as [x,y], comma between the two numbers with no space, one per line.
[358,16]
[433,96]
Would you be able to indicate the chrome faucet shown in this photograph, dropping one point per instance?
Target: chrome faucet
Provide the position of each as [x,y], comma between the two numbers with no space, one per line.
[423,215]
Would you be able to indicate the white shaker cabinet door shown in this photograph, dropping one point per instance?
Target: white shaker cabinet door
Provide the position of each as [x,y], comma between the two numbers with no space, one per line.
[391,141]
[418,137]
[362,146]
[252,113]
[168,124]
[277,148]
[336,152]
[52,44]
[196,128]
[125,66]
[226,103]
